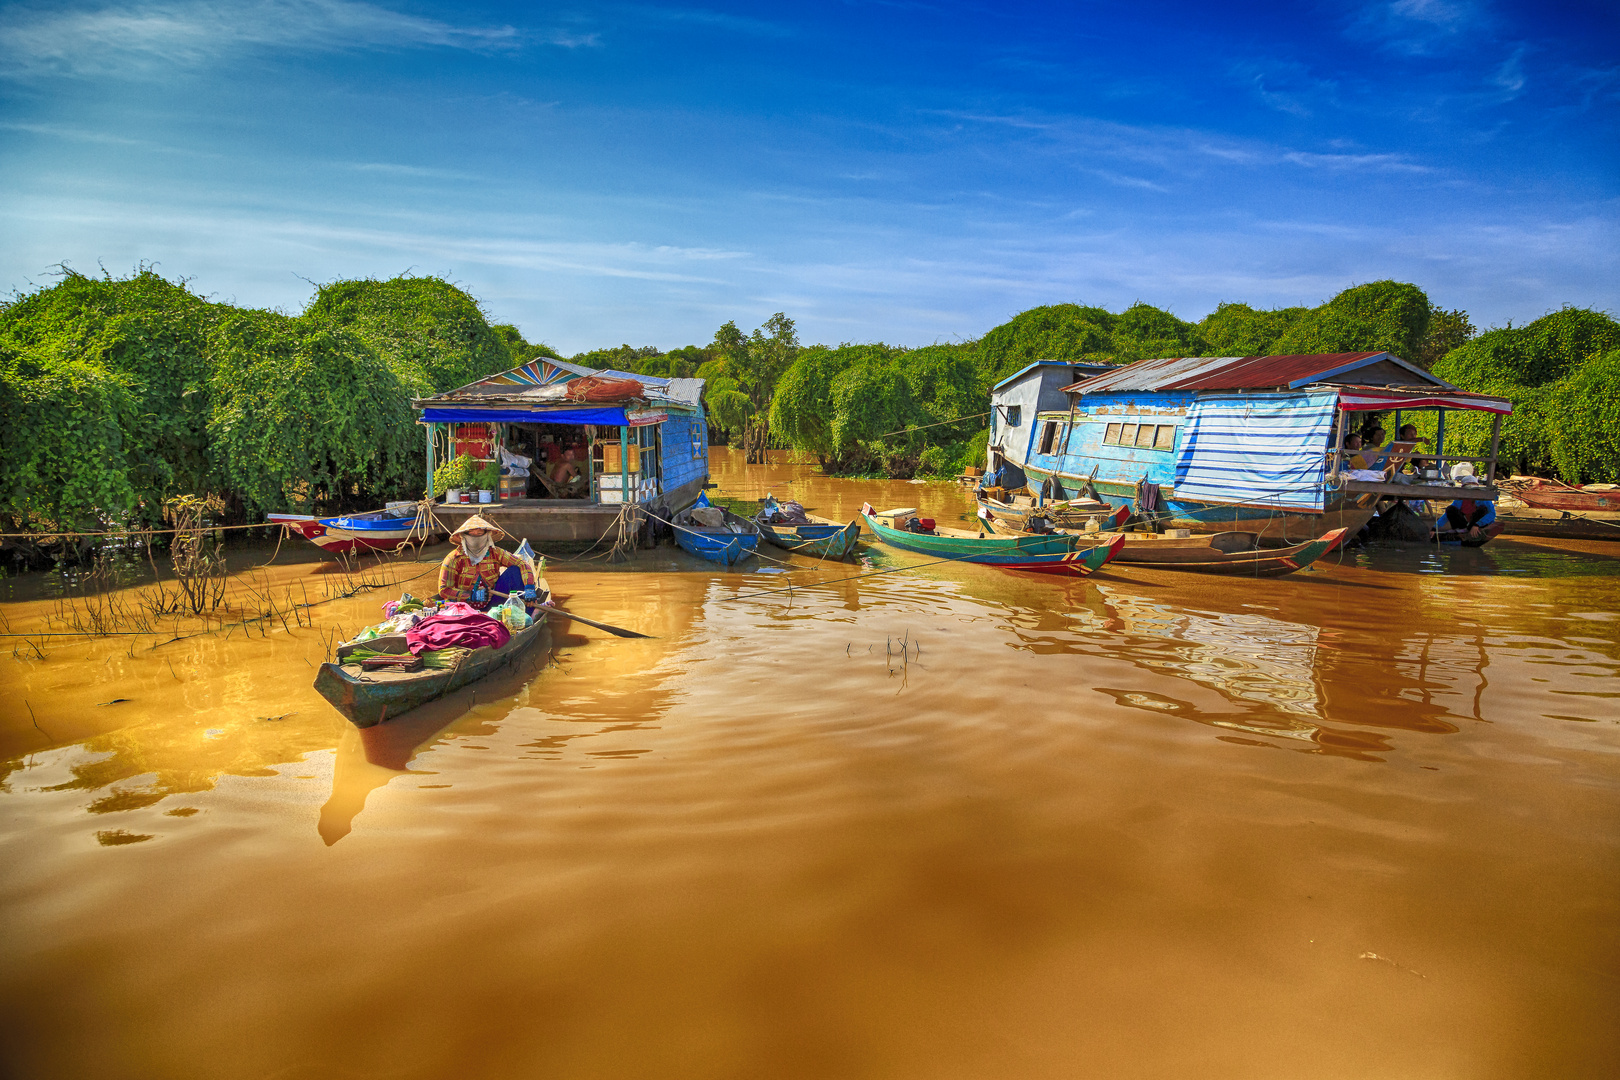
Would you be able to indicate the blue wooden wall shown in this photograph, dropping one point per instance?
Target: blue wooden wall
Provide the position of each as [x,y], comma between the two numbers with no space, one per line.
[1086,448]
[685,449]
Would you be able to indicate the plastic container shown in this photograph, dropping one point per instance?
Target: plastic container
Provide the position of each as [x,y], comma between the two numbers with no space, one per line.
[485,495]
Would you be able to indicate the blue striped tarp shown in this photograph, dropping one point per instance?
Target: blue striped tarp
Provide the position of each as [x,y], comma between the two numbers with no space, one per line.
[1258,449]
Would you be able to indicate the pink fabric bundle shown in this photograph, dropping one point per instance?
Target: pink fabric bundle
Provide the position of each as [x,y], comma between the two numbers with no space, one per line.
[449,629]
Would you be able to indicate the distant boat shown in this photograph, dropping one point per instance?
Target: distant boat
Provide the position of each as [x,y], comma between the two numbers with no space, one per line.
[733,539]
[1057,553]
[376,530]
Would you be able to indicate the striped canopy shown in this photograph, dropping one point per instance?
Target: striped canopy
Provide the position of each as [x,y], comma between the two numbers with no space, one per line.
[1256,449]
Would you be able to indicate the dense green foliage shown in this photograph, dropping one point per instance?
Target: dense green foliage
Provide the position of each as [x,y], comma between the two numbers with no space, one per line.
[117,393]
[1562,373]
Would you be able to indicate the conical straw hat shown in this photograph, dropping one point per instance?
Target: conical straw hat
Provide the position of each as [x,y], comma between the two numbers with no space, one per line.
[478,521]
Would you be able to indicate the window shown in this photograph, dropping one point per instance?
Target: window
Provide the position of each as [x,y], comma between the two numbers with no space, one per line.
[1015,415]
[1145,436]
[1048,436]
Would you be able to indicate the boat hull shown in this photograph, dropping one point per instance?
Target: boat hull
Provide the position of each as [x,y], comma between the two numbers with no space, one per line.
[1276,528]
[1198,555]
[820,540]
[343,536]
[1057,553]
[717,545]
[372,697]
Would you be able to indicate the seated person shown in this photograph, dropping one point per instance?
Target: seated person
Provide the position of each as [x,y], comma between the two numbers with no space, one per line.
[1353,458]
[565,472]
[1464,518]
[1399,453]
[1373,440]
[478,573]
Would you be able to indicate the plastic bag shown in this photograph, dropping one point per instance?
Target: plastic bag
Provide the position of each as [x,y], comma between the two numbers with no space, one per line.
[511,613]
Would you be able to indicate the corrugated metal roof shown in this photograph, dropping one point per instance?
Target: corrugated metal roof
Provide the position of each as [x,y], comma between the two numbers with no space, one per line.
[1227,372]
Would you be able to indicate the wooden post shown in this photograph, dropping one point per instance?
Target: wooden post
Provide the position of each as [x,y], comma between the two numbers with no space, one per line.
[624,463]
[1440,444]
[430,491]
[1338,442]
[590,462]
[1496,438]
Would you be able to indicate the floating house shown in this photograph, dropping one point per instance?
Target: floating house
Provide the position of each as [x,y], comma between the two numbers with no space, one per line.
[1250,443]
[576,445]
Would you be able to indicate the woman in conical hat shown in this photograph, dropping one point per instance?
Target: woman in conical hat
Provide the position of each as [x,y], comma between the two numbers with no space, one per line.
[477,572]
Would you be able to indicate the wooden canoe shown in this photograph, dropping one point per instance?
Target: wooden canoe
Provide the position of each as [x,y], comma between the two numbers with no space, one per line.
[1056,553]
[1542,494]
[719,545]
[1235,553]
[819,539]
[368,698]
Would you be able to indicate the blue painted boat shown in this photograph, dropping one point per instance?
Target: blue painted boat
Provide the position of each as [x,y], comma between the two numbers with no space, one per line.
[378,530]
[733,539]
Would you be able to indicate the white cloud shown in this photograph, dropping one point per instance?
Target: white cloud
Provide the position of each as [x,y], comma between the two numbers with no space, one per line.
[145,39]
[1415,27]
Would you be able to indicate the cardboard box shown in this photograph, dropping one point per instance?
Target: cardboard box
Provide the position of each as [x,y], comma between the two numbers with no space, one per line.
[610,458]
[895,519]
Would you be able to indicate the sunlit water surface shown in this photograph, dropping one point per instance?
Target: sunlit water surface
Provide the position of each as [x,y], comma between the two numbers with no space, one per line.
[945,822]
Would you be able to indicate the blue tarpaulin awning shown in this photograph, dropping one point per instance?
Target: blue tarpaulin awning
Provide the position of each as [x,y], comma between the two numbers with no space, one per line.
[586,414]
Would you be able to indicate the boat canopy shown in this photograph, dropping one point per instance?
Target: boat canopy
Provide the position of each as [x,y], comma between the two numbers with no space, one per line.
[1381,398]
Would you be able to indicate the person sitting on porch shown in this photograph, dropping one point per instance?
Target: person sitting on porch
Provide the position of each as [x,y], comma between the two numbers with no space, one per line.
[1354,459]
[478,573]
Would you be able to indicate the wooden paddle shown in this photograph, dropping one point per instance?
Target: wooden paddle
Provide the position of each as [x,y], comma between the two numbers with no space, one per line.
[618,631]
[615,630]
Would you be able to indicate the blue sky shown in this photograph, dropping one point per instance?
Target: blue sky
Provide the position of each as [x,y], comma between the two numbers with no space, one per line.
[900,171]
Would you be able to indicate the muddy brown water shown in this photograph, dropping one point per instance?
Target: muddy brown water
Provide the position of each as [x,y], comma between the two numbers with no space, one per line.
[946,822]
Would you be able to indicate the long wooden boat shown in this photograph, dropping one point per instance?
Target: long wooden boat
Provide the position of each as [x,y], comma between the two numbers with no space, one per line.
[1056,553]
[1236,553]
[376,530]
[819,538]
[370,697]
[1518,519]
[1542,494]
[737,538]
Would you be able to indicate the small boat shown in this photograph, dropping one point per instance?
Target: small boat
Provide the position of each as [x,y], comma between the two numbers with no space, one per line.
[1235,553]
[1054,553]
[817,537]
[733,539]
[1486,535]
[368,698]
[1018,508]
[376,530]
[1544,494]
[1518,519]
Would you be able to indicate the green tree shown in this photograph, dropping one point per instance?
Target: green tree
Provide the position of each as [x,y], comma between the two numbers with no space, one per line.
[1384,316]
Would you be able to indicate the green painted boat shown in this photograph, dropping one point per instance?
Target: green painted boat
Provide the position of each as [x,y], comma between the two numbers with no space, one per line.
[1055,553]
[368,698]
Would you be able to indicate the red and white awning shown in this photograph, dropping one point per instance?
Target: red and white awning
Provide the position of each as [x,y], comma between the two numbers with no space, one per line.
[1367,398]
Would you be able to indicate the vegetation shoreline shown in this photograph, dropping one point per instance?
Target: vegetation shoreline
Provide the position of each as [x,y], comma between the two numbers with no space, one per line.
[117,394]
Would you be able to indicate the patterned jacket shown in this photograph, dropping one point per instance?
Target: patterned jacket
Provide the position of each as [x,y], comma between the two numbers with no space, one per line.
[458,575]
